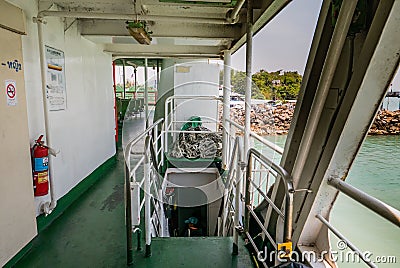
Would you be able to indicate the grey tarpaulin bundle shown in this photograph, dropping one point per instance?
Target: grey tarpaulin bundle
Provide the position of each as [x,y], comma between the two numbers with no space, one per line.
[197,145]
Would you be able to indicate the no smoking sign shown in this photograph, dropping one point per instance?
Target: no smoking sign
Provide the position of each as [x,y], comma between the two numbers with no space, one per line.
[11,92]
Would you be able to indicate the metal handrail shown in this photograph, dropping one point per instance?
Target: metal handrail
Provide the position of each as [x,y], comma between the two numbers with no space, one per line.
[348,243]
[289,191]
[169,106]
[382,209]
[268,200]
[236,152]
[135,140]
[129,173]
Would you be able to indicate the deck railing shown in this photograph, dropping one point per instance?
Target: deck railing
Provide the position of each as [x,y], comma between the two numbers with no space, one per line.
[172,125]
[380,208]
[147,178]
[259,174]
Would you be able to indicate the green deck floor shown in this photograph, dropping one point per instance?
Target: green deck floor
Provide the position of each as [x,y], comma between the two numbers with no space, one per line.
[91,233]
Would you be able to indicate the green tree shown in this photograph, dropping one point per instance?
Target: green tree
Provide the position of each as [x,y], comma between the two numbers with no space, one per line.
[268,85]
[238,81]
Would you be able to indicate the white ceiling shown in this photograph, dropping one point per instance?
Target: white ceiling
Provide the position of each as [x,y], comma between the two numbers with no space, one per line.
[187,29]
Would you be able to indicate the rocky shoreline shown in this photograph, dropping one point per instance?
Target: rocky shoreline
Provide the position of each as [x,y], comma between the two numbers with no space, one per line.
[386,123]
[268,120]
[265,119]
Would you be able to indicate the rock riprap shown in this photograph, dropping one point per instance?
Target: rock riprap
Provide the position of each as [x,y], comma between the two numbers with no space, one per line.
[265,119]
[268,120]
[386,123]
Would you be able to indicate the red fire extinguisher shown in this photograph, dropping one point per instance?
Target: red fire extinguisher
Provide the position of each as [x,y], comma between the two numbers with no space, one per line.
[40,161]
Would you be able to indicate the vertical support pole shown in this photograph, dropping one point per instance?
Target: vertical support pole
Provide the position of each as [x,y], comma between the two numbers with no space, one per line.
[147,205]
[155,135]
[166,123]
[146,93]
[135,71]
[249,55]
[123,77]
[115,103]
[226,108]
[128,217]
[47,208]
[158,76]
[164,149]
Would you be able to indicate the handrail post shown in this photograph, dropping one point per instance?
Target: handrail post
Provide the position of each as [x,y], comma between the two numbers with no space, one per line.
[161,212]
[247,192]
[128,217]
[147,197]
[235,250]
[228,187]
[288,228]
[156,142]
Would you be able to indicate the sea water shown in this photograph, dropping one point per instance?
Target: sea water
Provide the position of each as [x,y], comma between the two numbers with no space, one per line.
[376,171]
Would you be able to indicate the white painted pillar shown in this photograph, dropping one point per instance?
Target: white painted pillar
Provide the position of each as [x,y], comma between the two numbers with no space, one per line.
[249,54]
[147,201]
[124,77]
[226,108]
[146,93]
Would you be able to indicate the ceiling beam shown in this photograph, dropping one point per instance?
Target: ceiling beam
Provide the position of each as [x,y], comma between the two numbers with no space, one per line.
[155,50]
[167,29]
[119,16]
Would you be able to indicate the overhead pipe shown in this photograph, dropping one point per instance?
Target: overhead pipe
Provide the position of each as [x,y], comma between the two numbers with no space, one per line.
[155,55]
[47,207]
[114,16]
[232,16]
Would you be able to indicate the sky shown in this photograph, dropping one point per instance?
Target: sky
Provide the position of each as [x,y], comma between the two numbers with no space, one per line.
[282,44]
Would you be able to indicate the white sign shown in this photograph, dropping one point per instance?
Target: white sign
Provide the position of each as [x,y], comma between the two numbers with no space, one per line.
[11,92]
[55,87]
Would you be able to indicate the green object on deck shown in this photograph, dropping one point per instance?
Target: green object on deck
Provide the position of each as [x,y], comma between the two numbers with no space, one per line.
[194,121]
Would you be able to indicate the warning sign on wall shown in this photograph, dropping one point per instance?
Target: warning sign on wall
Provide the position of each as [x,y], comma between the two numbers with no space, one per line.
[11,92]
[55,87]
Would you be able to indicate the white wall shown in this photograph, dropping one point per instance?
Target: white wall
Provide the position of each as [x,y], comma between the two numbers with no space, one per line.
[84,132]
[198,79]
